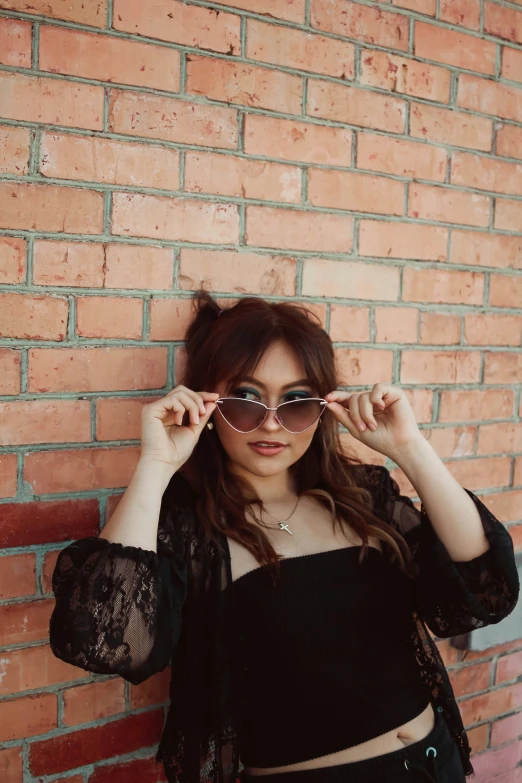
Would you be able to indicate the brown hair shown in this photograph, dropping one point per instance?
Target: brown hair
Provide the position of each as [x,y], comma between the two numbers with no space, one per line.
[227,345]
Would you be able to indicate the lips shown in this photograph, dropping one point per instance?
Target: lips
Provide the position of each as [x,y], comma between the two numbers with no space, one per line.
[267,443]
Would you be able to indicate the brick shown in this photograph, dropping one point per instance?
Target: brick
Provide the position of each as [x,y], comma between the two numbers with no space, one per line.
[439,286]
[237,272]
[51,472]
[50,208]
[482,473]
[11,765]
[421,6]
[119,418]
[396,324]
[15,43]
[454,48]
[503,22]
[508,667]
[499,100]
[350,280]
[174,218]
[14,150]
[511,64]
[402,240]
[355,192]
[500,437]
[89,703]
[42,522]
[9,371]
[91,159]
[362,23]
[487,706]
[12,260]
[44,421]
[505,291]
[228,175]
[429,202]
[17,576]
[170,20]
[403,158]
[332,101]
[8,471]
[503,367]
[33,317]
[479,404]
[291,10]
[439,329]
[156,117]
[506,729]
[96,369]
[169,318]
[440,367]
[509,141]
[483,249]
[465,13]
[449,126]
[471,679]
[109,317]
[358,367]
[94,14]
[353,321]
[23,622]
[299,141]
[508,214]
[298,230]
[402,75]
[296,49]
[492,329]
[484,173]
[94,265]
[250,85]
[52,101]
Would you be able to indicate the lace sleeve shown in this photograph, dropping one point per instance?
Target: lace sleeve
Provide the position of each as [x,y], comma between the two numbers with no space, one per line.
[118,608]
[455,597]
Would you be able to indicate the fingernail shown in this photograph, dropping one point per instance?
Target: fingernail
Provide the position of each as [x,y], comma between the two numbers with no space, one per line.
[361,426]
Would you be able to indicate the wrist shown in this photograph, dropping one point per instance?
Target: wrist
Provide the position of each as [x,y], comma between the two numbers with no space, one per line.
[409,452]
[156,470]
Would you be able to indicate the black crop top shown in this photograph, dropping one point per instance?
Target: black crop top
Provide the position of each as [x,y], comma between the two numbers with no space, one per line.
[326,659]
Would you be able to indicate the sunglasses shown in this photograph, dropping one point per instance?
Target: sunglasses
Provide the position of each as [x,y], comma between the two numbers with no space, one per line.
[294,416]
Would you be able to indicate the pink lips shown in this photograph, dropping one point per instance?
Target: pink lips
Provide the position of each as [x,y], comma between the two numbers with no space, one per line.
[268,451]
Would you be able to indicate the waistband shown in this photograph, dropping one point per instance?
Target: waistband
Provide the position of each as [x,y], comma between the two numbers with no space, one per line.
[390,767]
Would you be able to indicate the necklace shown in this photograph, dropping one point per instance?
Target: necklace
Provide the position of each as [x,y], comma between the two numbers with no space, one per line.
[282,524]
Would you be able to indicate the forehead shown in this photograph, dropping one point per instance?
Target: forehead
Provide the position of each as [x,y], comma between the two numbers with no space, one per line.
[279,365]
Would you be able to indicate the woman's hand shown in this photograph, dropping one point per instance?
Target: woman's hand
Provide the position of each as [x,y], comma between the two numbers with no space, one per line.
[388,420]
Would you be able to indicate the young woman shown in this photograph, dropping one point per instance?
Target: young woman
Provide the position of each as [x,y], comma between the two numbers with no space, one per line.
[289,585]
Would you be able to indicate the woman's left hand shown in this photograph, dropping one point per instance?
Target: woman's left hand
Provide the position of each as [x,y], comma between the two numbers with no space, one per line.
[387,416]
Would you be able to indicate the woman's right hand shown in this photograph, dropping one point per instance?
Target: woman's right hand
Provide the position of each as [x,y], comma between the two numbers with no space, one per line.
[171,426]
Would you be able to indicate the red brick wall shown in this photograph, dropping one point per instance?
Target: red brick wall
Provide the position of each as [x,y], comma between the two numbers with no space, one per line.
[363,157]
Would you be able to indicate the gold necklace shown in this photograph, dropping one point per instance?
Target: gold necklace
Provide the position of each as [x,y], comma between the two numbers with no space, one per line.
[282,524]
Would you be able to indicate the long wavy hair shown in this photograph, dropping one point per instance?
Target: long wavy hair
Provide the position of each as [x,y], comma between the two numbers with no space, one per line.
[224,346]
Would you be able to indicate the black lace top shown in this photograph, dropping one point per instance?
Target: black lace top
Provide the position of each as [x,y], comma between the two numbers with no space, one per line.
[129,611]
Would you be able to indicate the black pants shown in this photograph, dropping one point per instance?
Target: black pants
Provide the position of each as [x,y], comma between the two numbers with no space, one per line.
[434,759]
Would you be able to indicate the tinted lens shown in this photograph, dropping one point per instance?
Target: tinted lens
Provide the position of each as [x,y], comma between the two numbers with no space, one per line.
[298,415]
[243,415]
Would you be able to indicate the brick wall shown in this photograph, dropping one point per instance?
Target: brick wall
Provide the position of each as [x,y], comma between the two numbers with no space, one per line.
[363,157]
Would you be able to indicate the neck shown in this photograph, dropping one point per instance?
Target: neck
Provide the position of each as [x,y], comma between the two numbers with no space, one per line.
[273,490]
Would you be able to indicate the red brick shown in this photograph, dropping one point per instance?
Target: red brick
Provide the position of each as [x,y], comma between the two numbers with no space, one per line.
[508,667]
[402,240]
[233,82]
[11,765]
[498,438]
[302,141]
[50,208]
[470,679]
[9,371]
[15,43]
[17,576]
[298,230]
[440,367]
[42,522]
[500,100]
[358,367]
[93,265]
[291,10]
[44,421]
[454,48]
[169,318]
[119,418]
[355,192]
[108,59]
[483,249]
[399,74]
[156,117]
[109,317]
[237,272]
[349,320]
[146,770]
[492,329]
[505,291]
[33,317]
[14,150]
[449,126]
[449,206]
[437,285]
[77,748]
[503,22]
[421,6]
[96,369]
[8,471]
[511,64]
[91,702]
[508,214]
[170,20]
[12,260]
[53,101]
[295,49]
[439,329]
[363,23]
[23,622]
[506,729]
[479,404]
[333,101]
[396,324]
[174,218]
[403,158]
[349,279]
[482,173]
[503,367]
[227,175]
[51,472]
[509,141]
[94,14]
[461,12]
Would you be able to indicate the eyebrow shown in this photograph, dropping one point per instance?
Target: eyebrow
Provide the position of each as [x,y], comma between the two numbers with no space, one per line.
[300,382]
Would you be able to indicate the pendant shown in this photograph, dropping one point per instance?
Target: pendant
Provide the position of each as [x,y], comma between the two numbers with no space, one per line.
[285,527]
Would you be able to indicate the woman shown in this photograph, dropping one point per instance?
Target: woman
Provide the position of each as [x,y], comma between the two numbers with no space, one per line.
[289,585]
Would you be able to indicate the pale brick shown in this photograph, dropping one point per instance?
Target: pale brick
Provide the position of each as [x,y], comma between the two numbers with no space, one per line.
[449,126]
[454,48]
[399,74]
[404,158]
[332,101]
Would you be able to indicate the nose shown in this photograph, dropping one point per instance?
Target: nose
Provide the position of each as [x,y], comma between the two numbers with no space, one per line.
[271,424]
